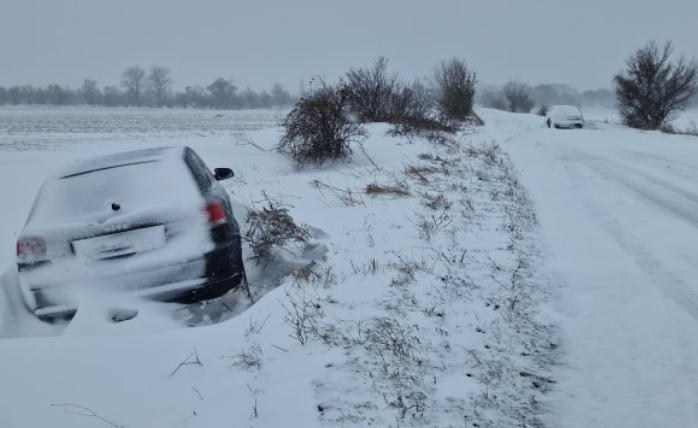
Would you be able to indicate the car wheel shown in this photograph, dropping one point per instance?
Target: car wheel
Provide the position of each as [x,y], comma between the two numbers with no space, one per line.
[216,289]
[211,291]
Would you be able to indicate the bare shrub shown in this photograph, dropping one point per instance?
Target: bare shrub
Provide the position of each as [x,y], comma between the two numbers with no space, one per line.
[369,91]
[436,202]
[247,359]
[433,129]
[542,110]
[319,128]
[421,172]
[315,273]
[304,315]
[414,100]
[492,97]
[272,226]
[653,88]
[430,224]
[374,95]
[518,98]
[455,89]
[498,103]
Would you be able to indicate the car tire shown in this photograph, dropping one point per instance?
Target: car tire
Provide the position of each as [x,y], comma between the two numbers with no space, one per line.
[213,291]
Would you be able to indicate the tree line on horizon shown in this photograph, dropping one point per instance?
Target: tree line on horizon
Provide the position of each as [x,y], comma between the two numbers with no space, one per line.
[152,88]
[519,97]
[648,93]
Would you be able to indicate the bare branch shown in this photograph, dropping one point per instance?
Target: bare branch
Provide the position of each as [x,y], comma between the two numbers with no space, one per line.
[188,361]
[79,410]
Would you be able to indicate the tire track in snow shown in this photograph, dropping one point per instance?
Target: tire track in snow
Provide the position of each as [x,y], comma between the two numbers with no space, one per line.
[673,286]
[679,201]
[677,169]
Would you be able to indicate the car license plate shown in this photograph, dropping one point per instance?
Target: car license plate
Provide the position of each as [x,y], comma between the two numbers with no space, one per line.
[120,244]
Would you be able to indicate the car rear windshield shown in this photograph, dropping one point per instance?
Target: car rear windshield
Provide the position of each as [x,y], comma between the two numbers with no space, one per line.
[134,187]
[567,111]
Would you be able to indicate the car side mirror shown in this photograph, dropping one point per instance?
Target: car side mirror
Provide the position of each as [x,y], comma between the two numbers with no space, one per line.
[223,173]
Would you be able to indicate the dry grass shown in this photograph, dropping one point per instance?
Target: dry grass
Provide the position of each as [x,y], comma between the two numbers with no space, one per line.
[421,172]
[375,189]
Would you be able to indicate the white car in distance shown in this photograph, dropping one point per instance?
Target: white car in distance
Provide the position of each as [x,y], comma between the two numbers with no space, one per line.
[564,116]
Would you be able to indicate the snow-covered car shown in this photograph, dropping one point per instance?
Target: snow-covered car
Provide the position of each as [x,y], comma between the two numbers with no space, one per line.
[151,223]
[564,116]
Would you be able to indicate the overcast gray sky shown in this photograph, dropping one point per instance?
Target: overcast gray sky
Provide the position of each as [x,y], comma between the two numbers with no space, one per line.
[257,43]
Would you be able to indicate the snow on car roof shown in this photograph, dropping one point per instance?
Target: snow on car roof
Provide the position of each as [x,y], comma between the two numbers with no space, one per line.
[120,159]
[565,109]
[139,180]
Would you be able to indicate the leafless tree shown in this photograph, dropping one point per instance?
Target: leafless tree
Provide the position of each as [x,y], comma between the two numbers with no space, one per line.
[222,93]
[89,91]
[160,83]
[112,97]
[133,82]
[250,98]
[265,100]
[492,97]
[410,101]
[455,88]
[280,96]
[518,97]
[653,88]
[56,95]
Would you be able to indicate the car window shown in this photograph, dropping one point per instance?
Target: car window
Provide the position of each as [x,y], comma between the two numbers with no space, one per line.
[135,186]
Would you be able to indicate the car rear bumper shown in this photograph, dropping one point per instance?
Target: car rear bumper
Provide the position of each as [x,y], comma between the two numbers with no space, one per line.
[568,124]
[219,270]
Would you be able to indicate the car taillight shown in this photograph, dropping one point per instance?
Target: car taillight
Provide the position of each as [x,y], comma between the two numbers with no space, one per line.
[216,213]
[31,249]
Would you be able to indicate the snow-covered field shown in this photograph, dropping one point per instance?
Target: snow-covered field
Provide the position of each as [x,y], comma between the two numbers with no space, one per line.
[558,289]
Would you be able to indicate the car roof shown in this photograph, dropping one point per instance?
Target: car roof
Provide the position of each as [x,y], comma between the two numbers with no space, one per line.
[563,108]
[116,160]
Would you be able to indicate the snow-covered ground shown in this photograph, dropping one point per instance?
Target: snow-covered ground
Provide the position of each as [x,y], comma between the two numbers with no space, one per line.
[450,300]
[618,210]
[420,313]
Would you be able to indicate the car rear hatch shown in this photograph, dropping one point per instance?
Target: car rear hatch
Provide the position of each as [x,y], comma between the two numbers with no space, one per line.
[113,212]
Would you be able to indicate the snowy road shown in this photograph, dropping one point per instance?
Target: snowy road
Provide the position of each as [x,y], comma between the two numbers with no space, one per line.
[619,224]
